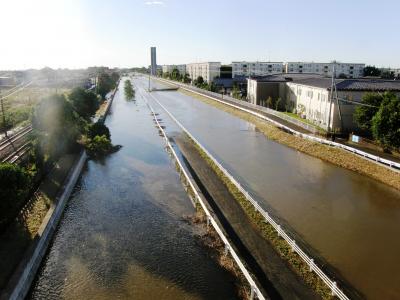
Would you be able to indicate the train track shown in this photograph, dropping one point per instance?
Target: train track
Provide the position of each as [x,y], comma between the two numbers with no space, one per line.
[11,149]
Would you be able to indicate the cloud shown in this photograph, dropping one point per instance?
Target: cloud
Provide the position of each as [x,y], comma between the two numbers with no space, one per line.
[154,3]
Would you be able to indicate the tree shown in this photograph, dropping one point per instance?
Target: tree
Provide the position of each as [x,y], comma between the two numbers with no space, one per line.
[56,125]
[175,75]
[342,76]
[363,114]
[387,75]
[236,92]
[14,188]
[106,83]
[129,91]
[186,79]
[277,104]
[372,71]
[99,146]
[270,102]
[199,81]
[84,102]
[386,122]
[99,129]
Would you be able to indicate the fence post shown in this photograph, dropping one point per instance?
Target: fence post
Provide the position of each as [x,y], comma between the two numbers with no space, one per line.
[208,221]
[334,287]
[226,249]
[279,230]
[293,245]
[311,264]
[251,292]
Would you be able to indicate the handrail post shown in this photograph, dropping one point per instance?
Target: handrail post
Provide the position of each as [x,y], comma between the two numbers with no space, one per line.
[334,287]
[251,292]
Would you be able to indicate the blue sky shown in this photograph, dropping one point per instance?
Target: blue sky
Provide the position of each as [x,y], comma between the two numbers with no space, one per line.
[73,33]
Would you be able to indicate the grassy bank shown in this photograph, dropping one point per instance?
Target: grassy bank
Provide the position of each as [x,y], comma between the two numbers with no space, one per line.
[280,245]
[327,153]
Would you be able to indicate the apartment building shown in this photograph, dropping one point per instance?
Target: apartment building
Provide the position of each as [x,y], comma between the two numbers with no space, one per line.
[349,70]
[257,68]
[207,70]
[170,68]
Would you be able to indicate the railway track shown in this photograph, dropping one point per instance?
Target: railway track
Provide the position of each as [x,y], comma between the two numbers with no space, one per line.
[11,149]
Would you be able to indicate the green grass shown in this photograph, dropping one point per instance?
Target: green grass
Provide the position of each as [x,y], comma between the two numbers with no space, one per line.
[305,121]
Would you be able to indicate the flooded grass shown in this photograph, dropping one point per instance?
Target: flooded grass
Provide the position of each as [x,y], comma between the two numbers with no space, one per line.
[268,232]
[327,153]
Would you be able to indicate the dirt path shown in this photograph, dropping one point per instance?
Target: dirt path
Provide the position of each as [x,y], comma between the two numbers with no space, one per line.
[274,275]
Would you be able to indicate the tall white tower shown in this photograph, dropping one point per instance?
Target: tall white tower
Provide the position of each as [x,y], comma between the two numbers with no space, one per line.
[153,70]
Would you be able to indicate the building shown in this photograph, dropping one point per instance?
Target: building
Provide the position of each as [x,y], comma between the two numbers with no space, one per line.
[7,81]
[257,68]
[349,70]
[170,68]
[311,97]
[153,68]
[207,70]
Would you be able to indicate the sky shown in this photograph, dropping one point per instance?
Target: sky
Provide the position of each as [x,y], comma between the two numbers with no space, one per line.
[119,33]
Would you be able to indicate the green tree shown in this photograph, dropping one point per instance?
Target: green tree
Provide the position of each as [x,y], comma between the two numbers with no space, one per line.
[372,71]
[15,183]
[363,114]
[199,82]
[387,75]
[175,75]
[236,92]
[99,146]
[270,102]
[99,129]
[106,83]
[56,125]
[386,122]
[278,103]
[186,79]
[129,91]
[84,102]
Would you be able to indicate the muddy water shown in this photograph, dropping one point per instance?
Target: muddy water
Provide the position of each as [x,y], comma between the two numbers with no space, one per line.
[122,235]
[350,220]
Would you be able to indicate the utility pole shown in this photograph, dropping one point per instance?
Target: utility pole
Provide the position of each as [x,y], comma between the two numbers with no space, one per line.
[4,115]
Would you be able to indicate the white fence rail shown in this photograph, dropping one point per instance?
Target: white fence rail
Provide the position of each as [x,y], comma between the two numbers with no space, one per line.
[393,165]
[255,291]
[332,285]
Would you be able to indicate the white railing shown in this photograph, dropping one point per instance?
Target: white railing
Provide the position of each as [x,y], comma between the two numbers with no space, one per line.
[332,285]
[255,291]
[393,165]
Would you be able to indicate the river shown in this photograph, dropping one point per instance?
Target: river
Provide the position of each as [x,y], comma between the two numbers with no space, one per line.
[350,220]
[123,233]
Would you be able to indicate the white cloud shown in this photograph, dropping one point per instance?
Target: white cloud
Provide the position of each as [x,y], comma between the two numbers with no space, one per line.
[154,3]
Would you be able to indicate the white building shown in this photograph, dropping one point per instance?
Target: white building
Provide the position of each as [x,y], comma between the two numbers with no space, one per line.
[207,70]
[257,68]
[311,98]
[350,70]
[170,68]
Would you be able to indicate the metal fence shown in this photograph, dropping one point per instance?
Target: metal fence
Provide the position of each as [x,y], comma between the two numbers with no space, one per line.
[255,291]
[391,164]
[332,285]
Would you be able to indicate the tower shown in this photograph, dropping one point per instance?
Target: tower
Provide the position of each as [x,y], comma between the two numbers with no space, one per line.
[153,70]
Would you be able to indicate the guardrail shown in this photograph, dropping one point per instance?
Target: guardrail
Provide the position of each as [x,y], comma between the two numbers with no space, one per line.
[332,285]
[391,164]
[255,291]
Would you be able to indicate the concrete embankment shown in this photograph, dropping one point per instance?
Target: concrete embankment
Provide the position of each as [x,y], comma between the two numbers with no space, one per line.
[273,274]
[22,278]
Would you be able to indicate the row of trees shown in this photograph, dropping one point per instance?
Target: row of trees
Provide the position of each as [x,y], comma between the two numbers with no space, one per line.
[376,72]
[61,124]
[177,76]
[379,117]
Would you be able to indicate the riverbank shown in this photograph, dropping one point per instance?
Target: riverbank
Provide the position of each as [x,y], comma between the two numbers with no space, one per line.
[335,156]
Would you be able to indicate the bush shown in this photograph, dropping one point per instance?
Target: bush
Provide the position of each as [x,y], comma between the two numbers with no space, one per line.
[84,102]
[99,146]
[14,189]
[99,129]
